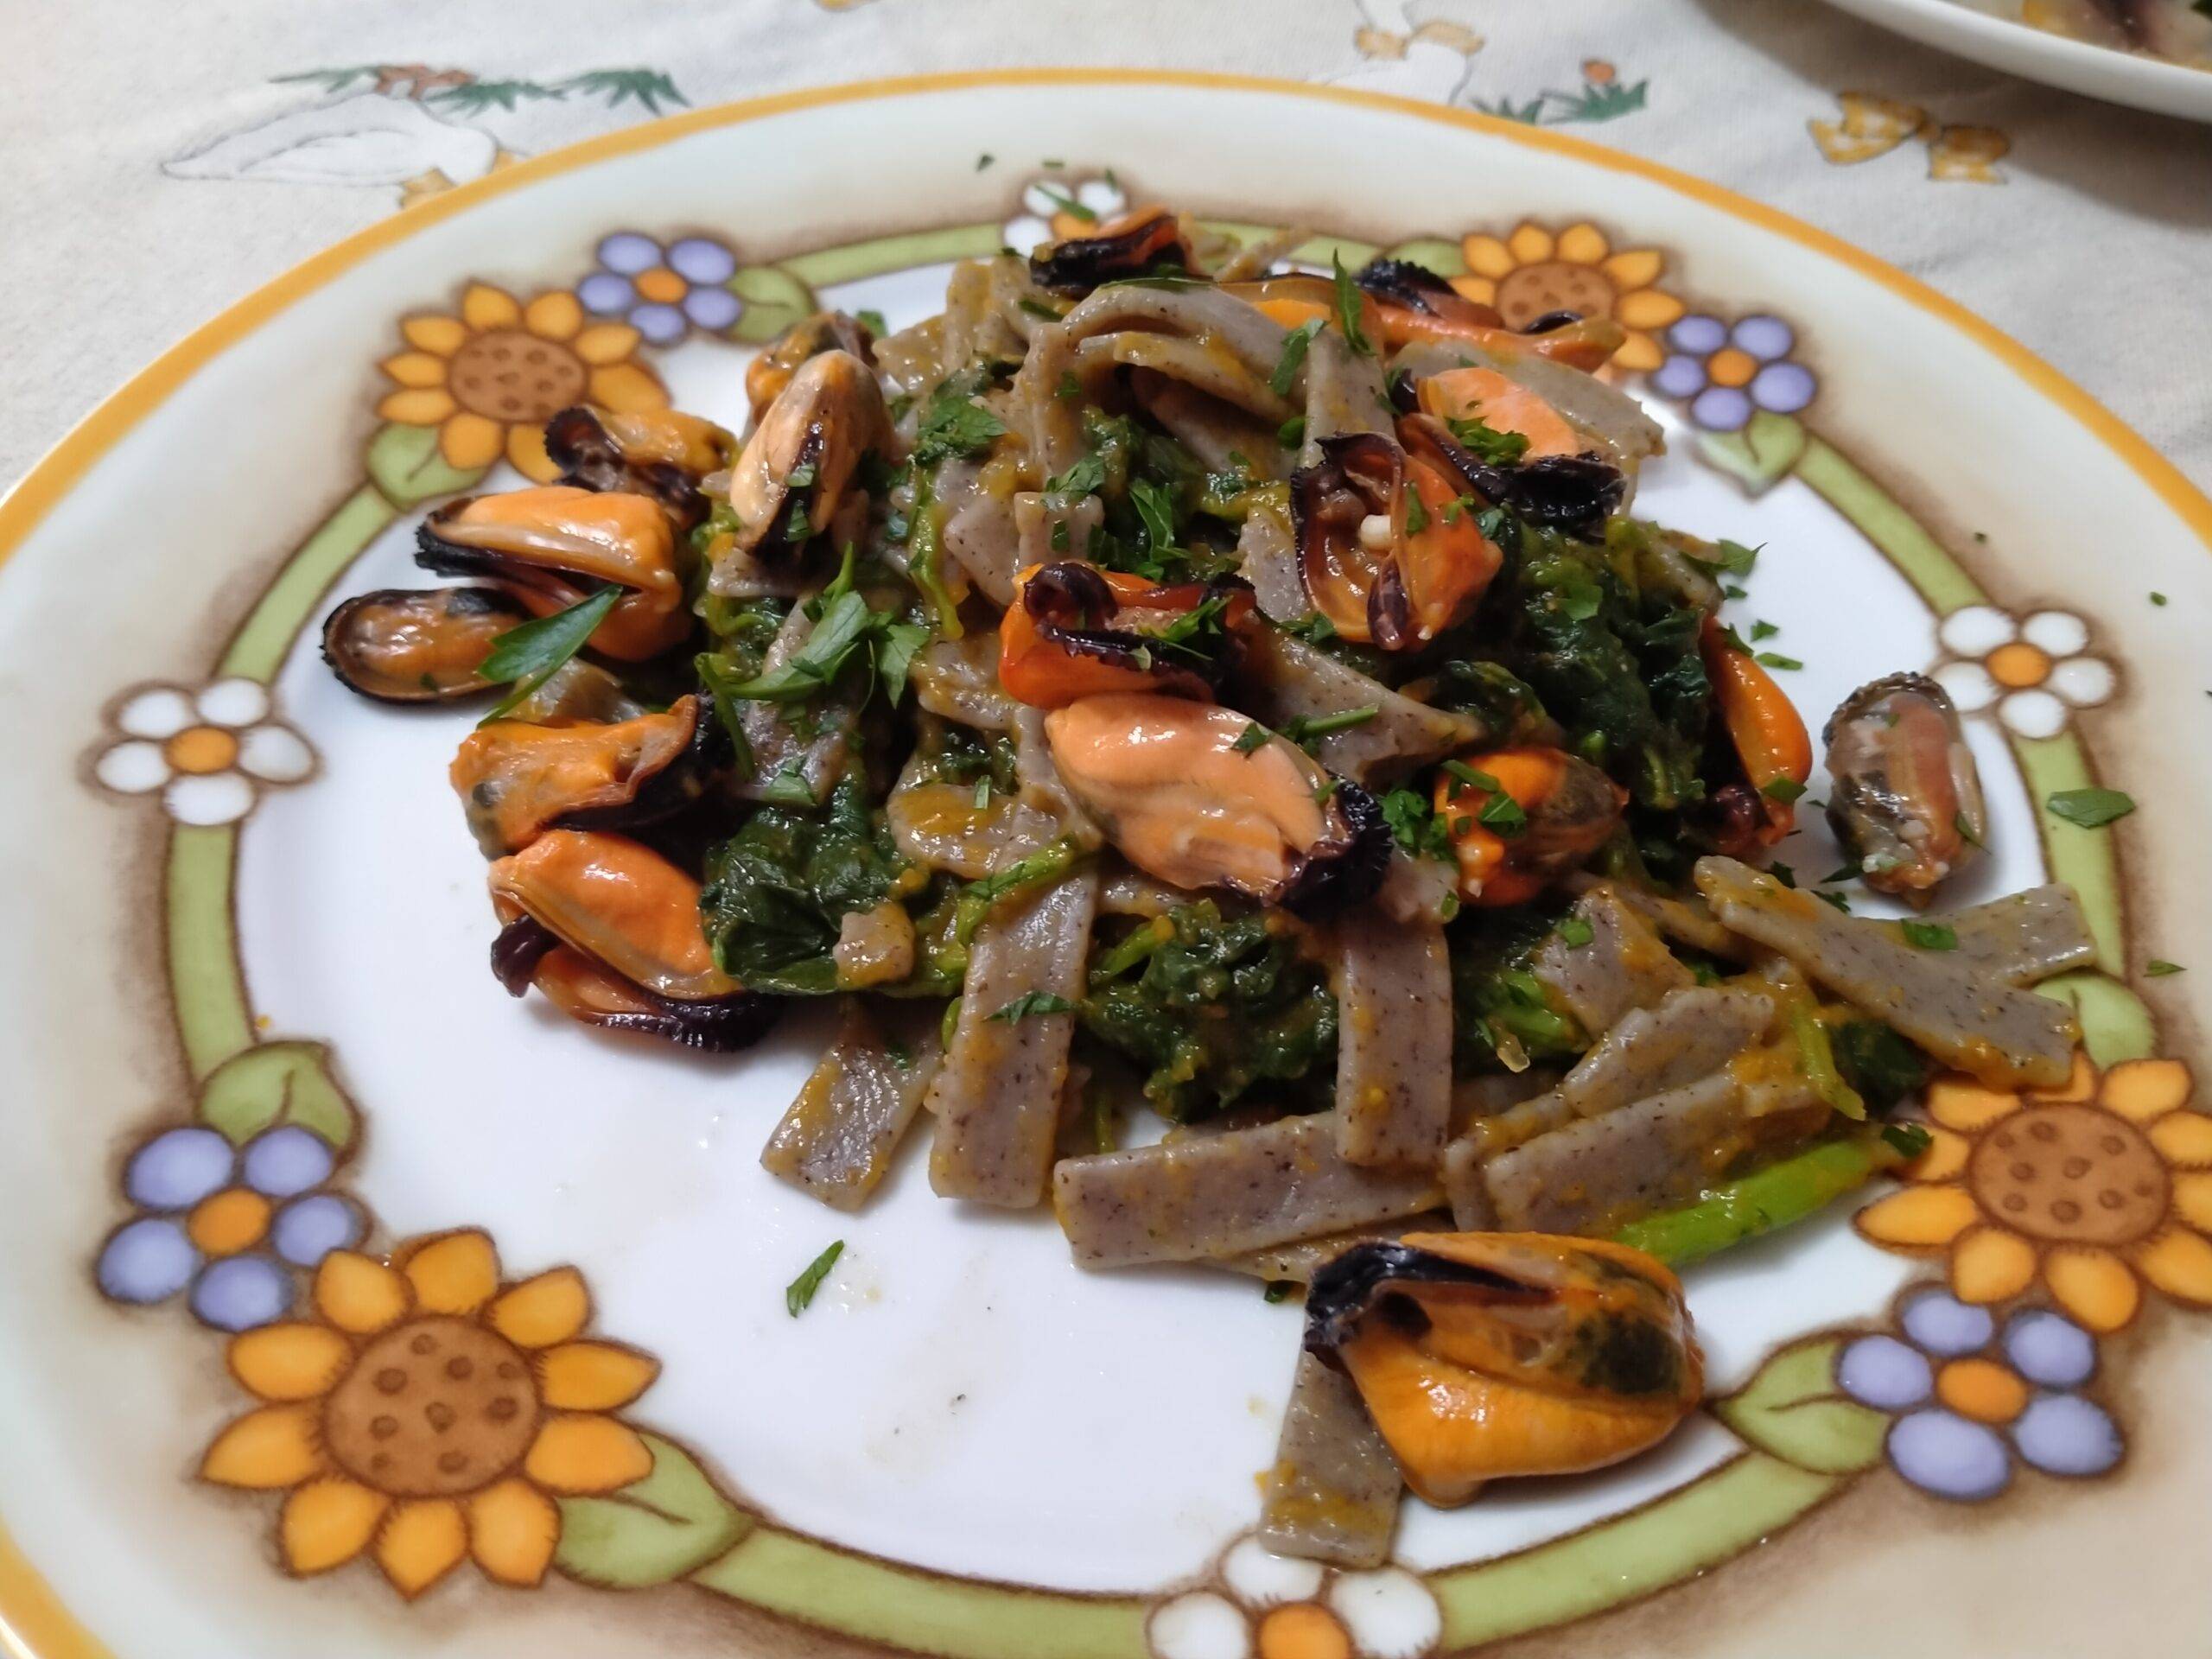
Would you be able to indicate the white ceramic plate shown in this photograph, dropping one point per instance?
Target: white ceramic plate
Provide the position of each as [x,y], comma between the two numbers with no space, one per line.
[2146,83]
[253,1049]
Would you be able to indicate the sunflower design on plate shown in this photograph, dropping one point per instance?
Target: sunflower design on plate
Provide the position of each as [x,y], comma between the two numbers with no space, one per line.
[489,378]
[2093,1187]
[428,1412]
[1535,271]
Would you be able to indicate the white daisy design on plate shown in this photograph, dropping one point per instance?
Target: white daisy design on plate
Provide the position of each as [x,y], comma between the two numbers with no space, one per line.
[2033,671]
[1056,208]
[208,753]
[1270,1607]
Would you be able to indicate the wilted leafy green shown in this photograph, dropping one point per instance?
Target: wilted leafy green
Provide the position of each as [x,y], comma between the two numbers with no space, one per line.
[777,891]
[1211,1006]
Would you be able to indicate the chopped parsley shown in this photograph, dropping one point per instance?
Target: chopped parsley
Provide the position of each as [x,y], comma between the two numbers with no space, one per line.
[1574,932]
[1030,1004]
[800,1292]
[1348,298]
[1835,899]
[1764,630]
[1294,346]
[1414,825]
[1292,432]
[532,654]
[1782,873]
[1302,729]
[954,424]
[1086,477]
[1416,514]
[1774,658]
[1250,738]
[1928,935]
[1503,814]
[1783,791]
[2158,598]
[1486,443]
[1278,1290]
[2092,809]
[1907,1140]
[2159,969]
[872,321]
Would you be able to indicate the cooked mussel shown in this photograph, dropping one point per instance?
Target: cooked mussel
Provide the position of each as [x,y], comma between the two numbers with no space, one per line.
[1907,800]
[1481,1355]
[1418,306]
[608,931]
[1199,796]
[1386,545]
[1521,818]
[1147,241]
[790,479]
[576,692]
[767,375]
[660,454]
[1076,631]
[517,779]
[401,644]
[555,546]
[1765,740]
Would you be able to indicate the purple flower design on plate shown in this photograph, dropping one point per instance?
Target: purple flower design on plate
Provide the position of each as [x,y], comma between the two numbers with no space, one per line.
[1727,374]
[663,290]
[229,1226]
[1969,1399]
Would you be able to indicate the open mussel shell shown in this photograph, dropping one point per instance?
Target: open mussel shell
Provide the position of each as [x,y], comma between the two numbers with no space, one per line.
[626,949]
[790,479]
[1907,799]
[527,953]
[767,375]
[401,644]
[1481,1355]
[554,545]
[1166,779]
[596,453]
[1143,244]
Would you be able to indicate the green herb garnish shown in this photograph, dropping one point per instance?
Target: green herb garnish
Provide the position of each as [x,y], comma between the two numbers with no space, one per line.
[1293,353]
[1032,1002]
[2159,969]
[1907,1140]
[954,424]
[1504,814]
[2092,808]
[1474,779]
[1764,630]
[1416,514]
[800,1292]
[1304,728]
[1574,932]
[1486,443]
[1250,738]
[1928,935]
[1783,791]
[1775,658]
[532,654]
[1348,298]
[1291,433]
[1278,1290]
[872,321]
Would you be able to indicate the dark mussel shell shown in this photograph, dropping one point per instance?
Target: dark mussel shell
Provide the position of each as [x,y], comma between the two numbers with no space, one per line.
[1071,602]
[589,458]
[1573,493]
[399,644]
[1402,283]
[1348,868]
[1355,1285]
[720,1025]
[1150,247]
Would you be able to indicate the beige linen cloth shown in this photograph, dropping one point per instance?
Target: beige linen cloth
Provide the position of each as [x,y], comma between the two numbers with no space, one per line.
[163,157]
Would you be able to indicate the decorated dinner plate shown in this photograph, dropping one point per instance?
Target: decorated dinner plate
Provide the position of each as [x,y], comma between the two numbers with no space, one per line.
[1996,34]
[355,1306]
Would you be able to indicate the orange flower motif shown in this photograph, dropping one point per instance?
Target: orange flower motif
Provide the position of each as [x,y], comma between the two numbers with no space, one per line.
[428,1413]
[1533,272]
[490,378]
[2092,1188]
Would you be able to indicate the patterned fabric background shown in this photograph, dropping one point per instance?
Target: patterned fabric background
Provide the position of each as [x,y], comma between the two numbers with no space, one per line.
[165,160]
